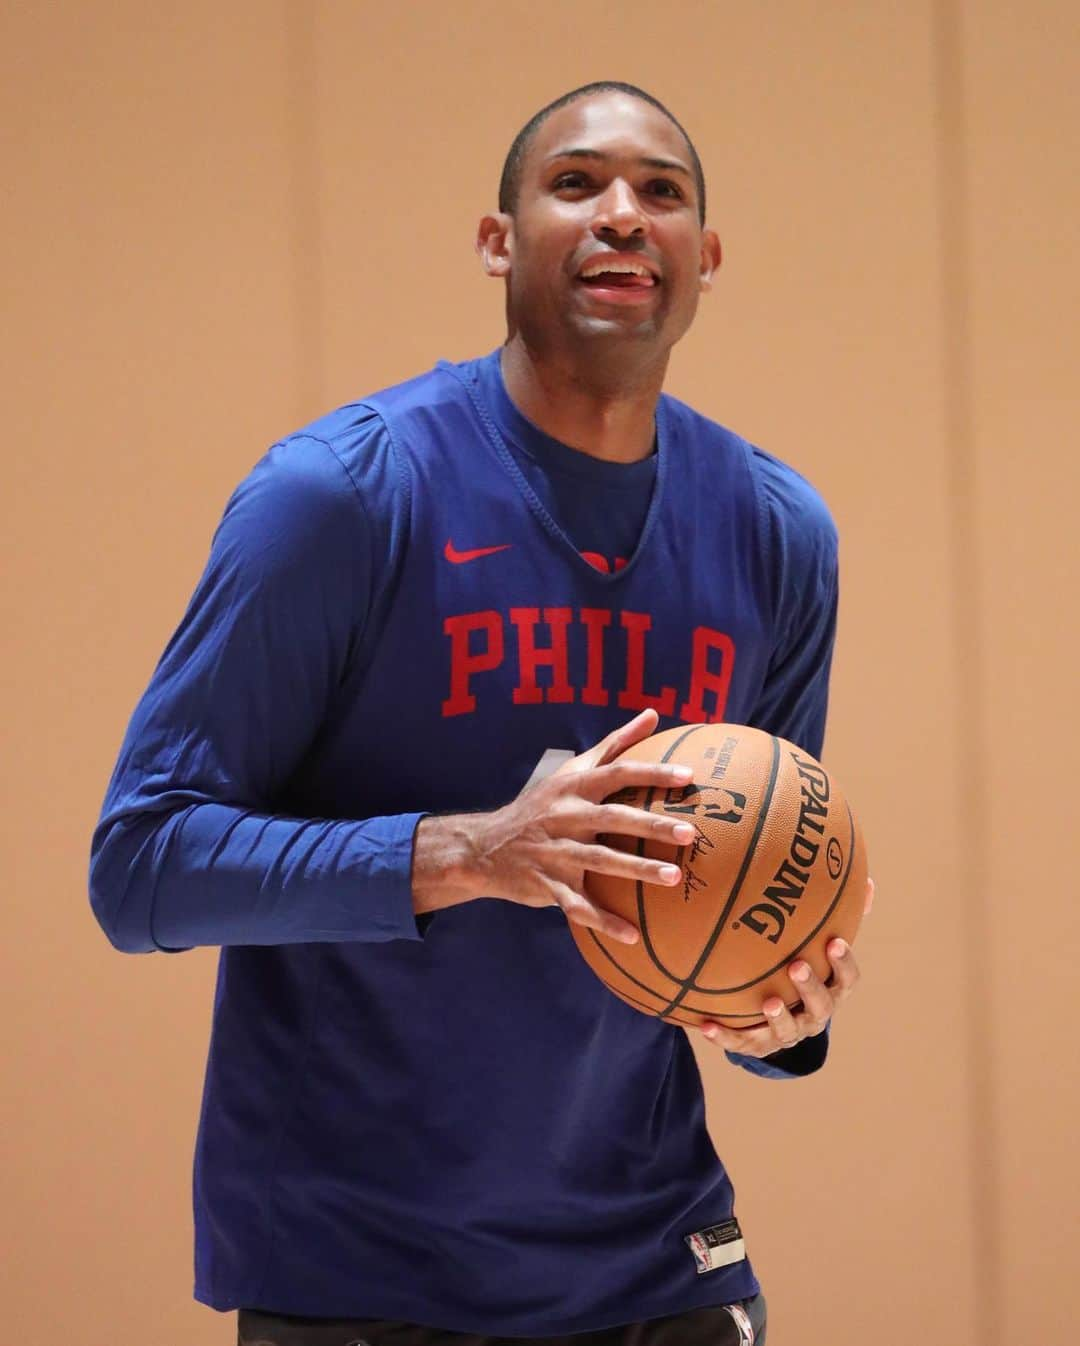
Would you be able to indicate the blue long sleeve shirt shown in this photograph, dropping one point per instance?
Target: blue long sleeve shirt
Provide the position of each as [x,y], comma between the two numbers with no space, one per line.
[408,602]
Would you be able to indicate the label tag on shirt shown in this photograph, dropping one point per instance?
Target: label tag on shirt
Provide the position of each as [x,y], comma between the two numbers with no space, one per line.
[718,1246]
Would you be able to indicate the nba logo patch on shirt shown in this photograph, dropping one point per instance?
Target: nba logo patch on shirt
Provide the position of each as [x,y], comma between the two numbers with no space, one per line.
[718,1246]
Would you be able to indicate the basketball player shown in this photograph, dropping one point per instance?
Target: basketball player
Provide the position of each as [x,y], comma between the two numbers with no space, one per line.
[424,1117]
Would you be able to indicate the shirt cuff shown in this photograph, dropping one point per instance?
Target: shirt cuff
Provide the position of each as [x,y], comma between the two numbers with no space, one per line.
[804,1058]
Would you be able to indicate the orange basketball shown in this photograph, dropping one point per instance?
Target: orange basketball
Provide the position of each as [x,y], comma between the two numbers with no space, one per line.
[778,868]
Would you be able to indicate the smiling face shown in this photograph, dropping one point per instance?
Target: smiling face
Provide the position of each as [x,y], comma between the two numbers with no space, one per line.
[604,252]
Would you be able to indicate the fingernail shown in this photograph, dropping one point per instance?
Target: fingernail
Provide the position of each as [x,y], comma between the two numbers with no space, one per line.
[838,948]
[711,1033]
[773,1010]
[629,936]
[683,831]
[670,873]
[800,972]
[682,772]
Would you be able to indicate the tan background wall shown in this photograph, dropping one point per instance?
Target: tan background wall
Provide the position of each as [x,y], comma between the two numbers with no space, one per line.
[223,219]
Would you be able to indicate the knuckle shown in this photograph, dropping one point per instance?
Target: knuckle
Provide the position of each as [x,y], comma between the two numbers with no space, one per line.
[613,820]
[553,787]
[602,816]
[843,986]
[577,908]
[596,856]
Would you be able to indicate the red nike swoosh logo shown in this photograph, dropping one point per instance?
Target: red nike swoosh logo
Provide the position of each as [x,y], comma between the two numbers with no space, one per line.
[460,557]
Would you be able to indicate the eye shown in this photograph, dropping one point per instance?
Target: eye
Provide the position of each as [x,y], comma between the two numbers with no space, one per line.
[577,181]
[564,180]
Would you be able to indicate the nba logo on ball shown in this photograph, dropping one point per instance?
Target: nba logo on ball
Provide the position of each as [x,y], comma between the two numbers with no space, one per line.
[777,869]
[714,802]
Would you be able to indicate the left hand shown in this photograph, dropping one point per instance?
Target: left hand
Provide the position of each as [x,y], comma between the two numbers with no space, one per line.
[785,1029]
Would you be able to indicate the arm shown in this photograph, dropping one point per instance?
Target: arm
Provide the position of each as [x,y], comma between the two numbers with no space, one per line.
[801,555]
[188,849]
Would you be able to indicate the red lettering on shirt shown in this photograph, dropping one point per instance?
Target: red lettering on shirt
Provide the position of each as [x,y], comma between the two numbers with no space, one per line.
[463,663]
[531,656]
[703,679]
[594,620]
[599,562]
[478,646]
[633,696]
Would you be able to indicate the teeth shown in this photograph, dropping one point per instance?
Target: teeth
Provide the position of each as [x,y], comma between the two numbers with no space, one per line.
[630,268]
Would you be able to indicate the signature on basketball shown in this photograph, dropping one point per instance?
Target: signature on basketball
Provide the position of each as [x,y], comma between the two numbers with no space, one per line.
[692,883]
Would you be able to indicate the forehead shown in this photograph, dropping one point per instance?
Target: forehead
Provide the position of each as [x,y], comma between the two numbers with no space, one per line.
[613,123]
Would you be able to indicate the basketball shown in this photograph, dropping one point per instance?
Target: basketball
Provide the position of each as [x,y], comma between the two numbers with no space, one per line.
[778,868]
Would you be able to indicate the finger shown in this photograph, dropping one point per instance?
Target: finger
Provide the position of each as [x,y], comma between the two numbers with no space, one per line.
[845,974]
[782,1024]
[641,726]
[624,865]
[757,1042]
[622,820]
[818,1001]
[604,781]
[871,888]
[578,909]
[721,1035]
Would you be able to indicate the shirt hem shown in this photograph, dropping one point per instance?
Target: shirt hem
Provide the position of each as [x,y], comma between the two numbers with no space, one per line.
[743,1285]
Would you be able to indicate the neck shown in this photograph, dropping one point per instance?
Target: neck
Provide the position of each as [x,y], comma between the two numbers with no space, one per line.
[604,413]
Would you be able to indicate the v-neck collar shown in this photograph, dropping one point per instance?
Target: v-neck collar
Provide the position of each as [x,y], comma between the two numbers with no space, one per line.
[504,420]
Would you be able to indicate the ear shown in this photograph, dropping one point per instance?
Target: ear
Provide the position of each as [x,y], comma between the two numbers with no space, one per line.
[711,255]
[495,243]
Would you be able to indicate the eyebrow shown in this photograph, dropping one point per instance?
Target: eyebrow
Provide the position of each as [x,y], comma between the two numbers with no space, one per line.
[672,165]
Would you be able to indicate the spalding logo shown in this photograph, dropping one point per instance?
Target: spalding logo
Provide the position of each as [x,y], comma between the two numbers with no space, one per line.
[769,916]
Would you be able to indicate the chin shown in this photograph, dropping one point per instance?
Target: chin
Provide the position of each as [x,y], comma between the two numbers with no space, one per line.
[615,329]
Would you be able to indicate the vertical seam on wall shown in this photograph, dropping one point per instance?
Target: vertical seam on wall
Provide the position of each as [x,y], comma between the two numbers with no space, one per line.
[306,234]
[968,650]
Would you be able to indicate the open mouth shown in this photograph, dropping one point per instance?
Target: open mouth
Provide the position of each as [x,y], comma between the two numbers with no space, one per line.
[618,280]
[611,274]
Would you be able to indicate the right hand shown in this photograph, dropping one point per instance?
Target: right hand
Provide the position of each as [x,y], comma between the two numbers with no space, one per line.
[538,849]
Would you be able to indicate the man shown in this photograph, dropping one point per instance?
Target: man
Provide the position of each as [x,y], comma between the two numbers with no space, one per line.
[423,1115]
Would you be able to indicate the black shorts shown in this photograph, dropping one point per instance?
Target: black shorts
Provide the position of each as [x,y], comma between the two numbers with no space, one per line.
[741,1324]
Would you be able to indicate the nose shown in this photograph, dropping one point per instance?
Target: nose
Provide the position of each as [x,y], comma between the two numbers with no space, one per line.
[619,213]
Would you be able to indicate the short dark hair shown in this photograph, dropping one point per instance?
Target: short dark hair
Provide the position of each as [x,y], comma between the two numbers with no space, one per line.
[510,182]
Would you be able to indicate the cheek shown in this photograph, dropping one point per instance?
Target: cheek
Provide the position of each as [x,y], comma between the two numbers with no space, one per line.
[682,292]
[681,271]
[527,287]
[532,272]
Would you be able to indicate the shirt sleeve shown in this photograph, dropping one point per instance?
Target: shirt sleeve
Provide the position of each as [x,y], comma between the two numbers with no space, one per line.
[801,553]
[189,850]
